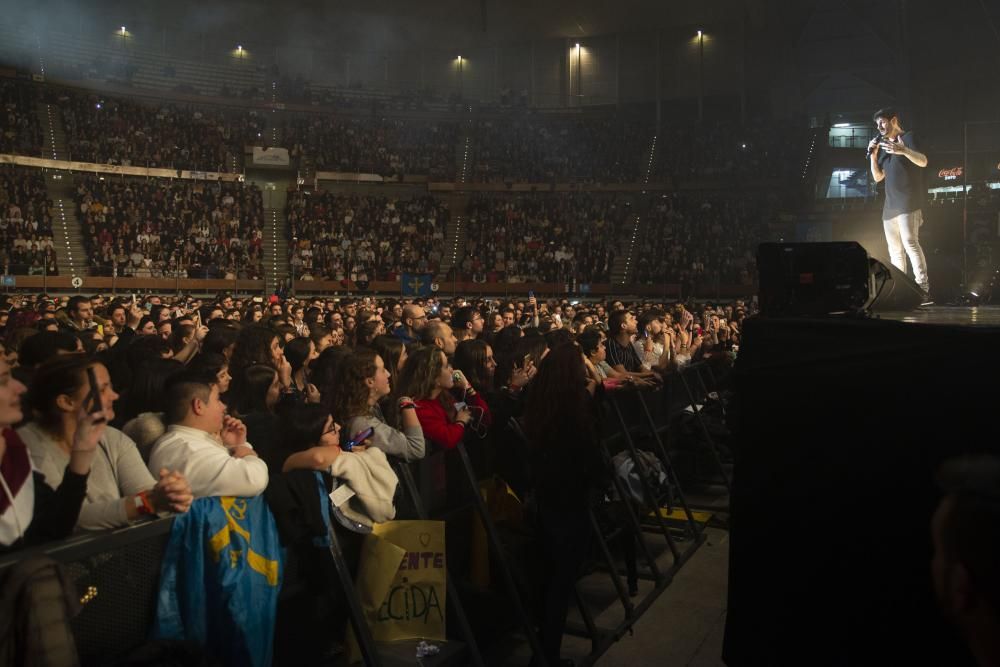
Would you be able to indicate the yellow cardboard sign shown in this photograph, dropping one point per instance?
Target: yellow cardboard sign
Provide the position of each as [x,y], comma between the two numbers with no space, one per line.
[402,581]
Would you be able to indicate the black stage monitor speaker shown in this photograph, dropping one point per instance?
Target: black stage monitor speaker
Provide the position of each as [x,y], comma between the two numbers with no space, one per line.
[893,290]
[817,279]
[813,279]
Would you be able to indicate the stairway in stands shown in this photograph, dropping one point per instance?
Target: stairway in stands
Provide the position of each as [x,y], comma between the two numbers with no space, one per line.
[54,136]
[66,234]
[276,266]
[621,270]
[454,238]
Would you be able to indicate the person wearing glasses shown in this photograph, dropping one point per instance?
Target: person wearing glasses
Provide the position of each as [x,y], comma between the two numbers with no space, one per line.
[467,323]
[414,319]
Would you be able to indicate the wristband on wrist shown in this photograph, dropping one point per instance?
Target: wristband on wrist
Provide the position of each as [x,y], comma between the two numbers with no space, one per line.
[143,505]
[407,405]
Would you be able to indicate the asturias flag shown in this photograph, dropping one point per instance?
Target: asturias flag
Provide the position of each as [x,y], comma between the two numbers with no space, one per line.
[416,284]
[220,579]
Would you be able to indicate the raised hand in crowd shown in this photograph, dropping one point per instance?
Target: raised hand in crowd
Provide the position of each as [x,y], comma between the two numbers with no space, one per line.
[135,314]
[461,382]
[284,372]
[90,428]
[522,375]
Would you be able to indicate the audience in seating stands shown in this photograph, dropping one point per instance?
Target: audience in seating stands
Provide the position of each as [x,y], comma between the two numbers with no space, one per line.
[116,130]
[26,245]
[364,238]
[20,131]
[543,238]
[171,229]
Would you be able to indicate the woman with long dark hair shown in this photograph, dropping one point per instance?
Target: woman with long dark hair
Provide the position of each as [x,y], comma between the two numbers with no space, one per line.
[474,357]
[560,423]
[260,346]
[392,351]
[300,353]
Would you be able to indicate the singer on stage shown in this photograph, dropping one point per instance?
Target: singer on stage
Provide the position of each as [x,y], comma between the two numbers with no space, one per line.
[896,159]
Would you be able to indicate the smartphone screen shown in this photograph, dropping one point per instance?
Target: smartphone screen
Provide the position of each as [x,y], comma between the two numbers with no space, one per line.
[94,396]
[358,439]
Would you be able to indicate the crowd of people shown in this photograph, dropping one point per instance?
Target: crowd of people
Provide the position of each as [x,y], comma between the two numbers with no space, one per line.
[702,239]
[115,130]
[754,150]
[20,131]
[363,238]
[543,238]
[389,147]
[25,223]
[119,410]
[176,229]
[531,149]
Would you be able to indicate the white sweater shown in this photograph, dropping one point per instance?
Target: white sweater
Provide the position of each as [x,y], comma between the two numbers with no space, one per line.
[207,464]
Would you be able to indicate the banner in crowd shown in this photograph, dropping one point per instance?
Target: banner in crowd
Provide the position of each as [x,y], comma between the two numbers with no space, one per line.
[402,582]
[416,284]
[274,157]
[220,580]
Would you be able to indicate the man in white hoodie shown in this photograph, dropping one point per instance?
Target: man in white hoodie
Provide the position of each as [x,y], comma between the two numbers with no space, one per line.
[214,465]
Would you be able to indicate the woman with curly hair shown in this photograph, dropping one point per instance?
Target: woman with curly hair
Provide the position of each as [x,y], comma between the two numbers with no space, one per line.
[359,382]
[430,379]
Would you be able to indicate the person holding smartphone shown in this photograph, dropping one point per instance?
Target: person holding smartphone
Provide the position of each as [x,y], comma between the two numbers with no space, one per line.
[361,381]
[31,512]
[429,377]
[121,488]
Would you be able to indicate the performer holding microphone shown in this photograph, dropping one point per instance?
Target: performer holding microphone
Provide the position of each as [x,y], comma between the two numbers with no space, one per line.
[895,158]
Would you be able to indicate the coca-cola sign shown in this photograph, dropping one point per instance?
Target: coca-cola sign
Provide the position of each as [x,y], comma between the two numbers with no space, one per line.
[950,174]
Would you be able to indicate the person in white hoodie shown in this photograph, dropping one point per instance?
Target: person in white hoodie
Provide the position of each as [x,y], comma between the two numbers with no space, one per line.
[226,465]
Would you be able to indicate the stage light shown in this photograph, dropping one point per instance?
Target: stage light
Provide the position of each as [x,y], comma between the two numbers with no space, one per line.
[699,33]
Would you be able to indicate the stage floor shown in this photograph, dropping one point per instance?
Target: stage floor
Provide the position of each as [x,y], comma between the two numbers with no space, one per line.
[979,316]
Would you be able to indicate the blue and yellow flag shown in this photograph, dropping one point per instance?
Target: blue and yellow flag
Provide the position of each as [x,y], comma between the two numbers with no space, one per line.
[416,284]
[220,579]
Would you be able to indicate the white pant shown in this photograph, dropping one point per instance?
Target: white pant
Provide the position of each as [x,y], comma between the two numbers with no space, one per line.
[902,233]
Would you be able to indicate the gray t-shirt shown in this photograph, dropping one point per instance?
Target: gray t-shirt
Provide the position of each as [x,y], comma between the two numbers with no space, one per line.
[117,471]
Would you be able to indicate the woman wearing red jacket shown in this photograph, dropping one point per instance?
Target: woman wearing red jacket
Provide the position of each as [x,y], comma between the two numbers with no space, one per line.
[429,378]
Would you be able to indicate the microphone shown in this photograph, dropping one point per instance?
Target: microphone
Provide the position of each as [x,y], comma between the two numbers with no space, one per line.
[868,153]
